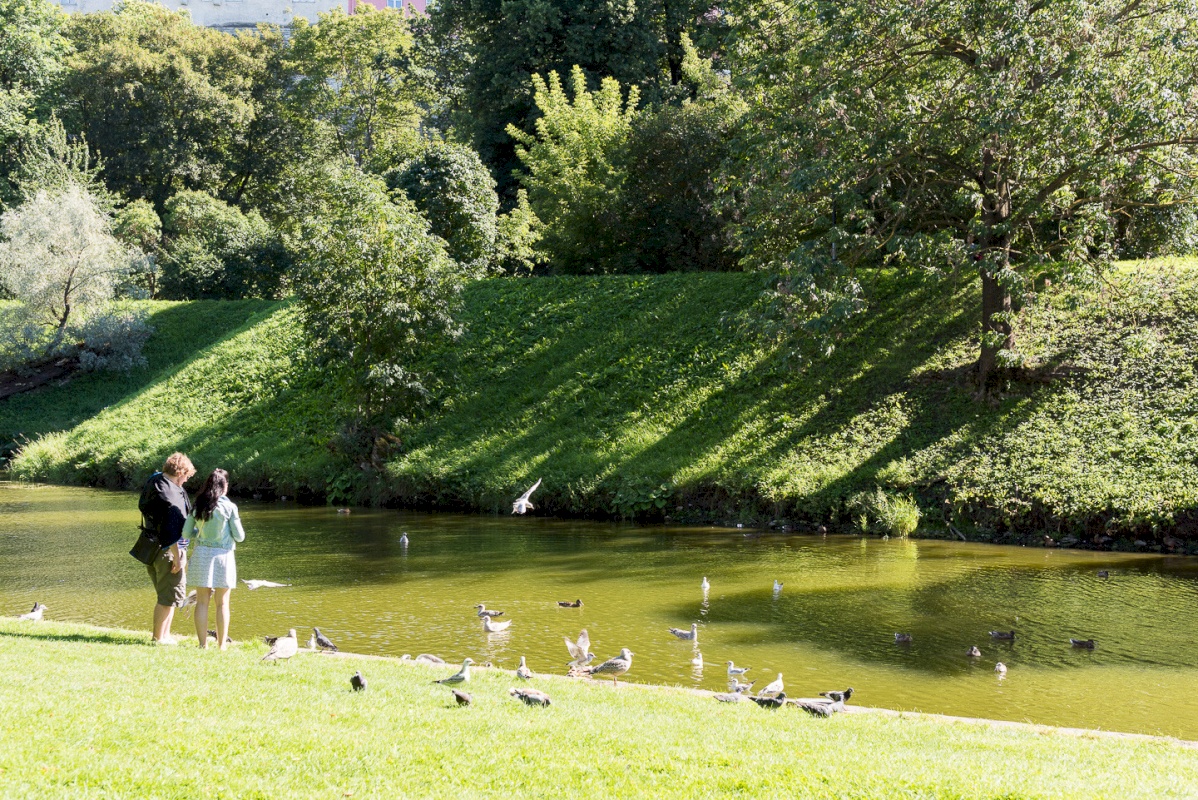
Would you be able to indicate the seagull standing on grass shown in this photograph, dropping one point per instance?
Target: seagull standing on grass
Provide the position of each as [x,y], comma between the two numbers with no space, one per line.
[36,614]
[522,504]
[615,667]
[285,647]
[773,689]
[461,676]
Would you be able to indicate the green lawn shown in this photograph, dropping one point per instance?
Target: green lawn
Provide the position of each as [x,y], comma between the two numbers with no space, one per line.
[655,397]
[90,712]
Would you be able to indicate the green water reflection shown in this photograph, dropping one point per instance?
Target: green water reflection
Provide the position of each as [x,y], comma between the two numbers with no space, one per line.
[832,625]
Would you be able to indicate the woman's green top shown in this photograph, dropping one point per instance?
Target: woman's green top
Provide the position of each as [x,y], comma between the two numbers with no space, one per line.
[222,530]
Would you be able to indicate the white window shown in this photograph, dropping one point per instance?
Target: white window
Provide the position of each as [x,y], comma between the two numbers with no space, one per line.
[395,3]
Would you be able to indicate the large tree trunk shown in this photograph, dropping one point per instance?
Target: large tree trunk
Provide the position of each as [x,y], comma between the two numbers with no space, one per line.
[995,255]
[995,300]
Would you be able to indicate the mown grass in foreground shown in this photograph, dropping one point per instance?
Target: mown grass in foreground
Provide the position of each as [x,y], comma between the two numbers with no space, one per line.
[94,712]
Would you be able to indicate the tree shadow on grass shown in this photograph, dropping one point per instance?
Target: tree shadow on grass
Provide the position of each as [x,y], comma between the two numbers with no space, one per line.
[99,637]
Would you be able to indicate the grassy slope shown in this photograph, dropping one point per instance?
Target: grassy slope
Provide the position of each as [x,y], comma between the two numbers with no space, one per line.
[92,712]
[648,396]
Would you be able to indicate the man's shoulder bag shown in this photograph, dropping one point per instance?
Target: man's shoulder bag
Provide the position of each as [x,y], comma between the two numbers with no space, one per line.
[146,548]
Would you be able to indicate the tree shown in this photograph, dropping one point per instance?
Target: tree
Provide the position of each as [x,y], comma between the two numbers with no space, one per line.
[374,288]
[484,52]
[573,170]
[32,49]
[991,135]
[213,250]
[59,259]
[356,74]
[161,101]
[456,194]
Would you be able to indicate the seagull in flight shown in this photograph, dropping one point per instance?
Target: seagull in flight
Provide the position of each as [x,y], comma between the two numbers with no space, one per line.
[252,585]
[522,504]
[579,651]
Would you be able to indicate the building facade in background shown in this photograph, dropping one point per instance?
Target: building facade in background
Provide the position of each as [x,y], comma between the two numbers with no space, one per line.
[233,15]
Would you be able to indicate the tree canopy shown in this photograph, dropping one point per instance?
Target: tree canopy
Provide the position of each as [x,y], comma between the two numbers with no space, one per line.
[994,135]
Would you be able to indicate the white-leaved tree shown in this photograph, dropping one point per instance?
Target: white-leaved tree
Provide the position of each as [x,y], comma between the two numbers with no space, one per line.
[60,261]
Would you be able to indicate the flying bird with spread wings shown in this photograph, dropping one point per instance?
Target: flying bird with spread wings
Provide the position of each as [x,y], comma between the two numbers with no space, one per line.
[522,504]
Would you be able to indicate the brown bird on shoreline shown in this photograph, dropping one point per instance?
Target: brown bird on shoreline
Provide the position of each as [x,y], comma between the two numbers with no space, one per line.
[530,697]
[568,604]
[615,666]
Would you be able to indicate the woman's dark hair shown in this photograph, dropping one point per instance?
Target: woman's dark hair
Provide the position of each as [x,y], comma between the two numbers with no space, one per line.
[214,486]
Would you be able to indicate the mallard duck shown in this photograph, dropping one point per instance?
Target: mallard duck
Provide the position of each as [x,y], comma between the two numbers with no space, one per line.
[1084,644]
[358,682]
[522,671]
[483,612]
[734,671]
[1001,669]
[491,626]
[36,614]
[530,697]
[568,604]
[1102,573]
[461,676]
[691,636]
[522,505]
[773,688]
[323,642]
[462,698]
[838,697]
[974,652]
[903,638]
[1005,635]
[284,648]
[615,667]
[774,702]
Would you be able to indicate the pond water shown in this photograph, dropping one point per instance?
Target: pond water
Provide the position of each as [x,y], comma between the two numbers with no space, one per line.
[831,626]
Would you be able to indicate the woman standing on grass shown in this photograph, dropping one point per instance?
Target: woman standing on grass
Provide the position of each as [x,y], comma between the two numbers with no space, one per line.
[213,568]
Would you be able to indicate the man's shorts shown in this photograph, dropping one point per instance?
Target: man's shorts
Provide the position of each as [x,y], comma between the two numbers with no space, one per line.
[171,586]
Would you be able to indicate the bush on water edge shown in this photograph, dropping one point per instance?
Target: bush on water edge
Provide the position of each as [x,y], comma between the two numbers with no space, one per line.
[655,398]
[94,711]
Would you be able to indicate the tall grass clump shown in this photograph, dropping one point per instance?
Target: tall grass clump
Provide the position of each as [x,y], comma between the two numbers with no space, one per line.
[880,512]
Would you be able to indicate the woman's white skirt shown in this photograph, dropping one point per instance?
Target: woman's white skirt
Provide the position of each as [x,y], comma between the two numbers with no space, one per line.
[212,568]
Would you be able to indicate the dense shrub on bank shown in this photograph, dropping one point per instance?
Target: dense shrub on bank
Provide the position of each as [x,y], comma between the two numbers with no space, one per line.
[649,398]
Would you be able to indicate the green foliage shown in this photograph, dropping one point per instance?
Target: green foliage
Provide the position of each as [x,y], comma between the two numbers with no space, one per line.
[49,160]
[355,73]
[213,250]
[32,50]
[224,381]
[159,99]
[571,169]
[886,513]
[375,288]
[611,388]
[456,194]
[518,234]
[996,137]
[482,53]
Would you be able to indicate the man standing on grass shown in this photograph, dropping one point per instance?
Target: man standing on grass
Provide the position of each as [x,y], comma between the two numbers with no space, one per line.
[164,507]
